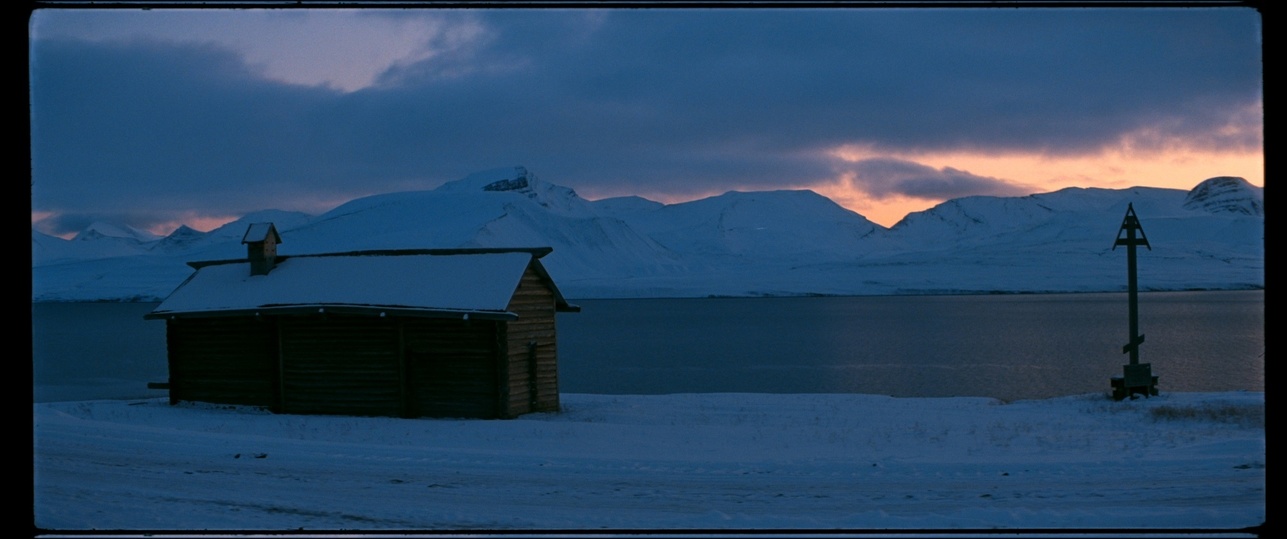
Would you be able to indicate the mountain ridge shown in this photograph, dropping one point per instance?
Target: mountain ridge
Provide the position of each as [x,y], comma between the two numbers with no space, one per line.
[787,242]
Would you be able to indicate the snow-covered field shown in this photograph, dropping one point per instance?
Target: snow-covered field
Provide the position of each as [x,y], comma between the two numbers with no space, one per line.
[1190,461]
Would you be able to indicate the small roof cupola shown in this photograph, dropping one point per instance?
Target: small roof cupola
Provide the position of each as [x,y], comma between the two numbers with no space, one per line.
[261,241]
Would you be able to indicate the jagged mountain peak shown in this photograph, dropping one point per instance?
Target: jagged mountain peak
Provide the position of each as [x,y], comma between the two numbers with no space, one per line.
[181,238]
[104,229]
[517,179]
[183,230]
[1226,194]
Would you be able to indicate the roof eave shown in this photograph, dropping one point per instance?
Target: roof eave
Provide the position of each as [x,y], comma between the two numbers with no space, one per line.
[560,303]
[362,310]
[536,252]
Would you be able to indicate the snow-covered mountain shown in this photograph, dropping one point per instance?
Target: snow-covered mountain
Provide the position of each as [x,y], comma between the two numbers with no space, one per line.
[498,208]
[745,227]
[87,245]
[738,243]
[518,181]
[100,230]
[1226,194]
[182,238]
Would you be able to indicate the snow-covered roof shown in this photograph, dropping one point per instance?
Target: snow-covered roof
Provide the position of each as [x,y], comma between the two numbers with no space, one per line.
[457,283]
[257,232]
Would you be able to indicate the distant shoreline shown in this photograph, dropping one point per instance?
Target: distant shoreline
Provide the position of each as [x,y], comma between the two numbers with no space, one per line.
[755,295]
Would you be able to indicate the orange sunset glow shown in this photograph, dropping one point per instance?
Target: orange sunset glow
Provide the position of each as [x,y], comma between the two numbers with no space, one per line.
[1182,169]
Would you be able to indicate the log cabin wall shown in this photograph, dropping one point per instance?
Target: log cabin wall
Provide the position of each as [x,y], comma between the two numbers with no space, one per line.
[336,364]
[531,349]
[452,367]
[340,364]
[223,360]
[272,350]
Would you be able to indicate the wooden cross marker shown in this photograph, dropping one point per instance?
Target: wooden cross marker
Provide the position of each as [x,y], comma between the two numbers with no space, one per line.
[1138,376]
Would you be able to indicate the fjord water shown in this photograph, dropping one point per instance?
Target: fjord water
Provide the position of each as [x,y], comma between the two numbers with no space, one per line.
[1004,346]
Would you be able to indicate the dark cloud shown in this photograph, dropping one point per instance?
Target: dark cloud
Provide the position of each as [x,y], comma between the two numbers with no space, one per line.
[885,177]
[682,101]
[1053,80]
[162,123]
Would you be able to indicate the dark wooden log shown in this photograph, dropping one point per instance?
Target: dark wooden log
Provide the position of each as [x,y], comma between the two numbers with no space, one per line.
[340,364]
[221,360]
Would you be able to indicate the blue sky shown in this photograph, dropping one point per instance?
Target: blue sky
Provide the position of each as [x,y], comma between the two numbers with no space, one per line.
[166,116]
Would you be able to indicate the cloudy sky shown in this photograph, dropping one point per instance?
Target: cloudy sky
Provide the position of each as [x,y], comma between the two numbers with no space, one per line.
[160,117]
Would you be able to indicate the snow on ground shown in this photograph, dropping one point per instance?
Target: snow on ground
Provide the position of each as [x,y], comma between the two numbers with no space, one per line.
[687,461]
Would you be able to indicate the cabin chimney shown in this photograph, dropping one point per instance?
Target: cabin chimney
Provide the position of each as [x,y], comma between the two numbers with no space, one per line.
[261,241]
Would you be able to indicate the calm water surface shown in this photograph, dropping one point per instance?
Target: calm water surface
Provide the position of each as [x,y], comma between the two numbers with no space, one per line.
[1004,346]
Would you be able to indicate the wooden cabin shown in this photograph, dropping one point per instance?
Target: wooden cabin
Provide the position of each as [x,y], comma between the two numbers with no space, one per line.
[404,333]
